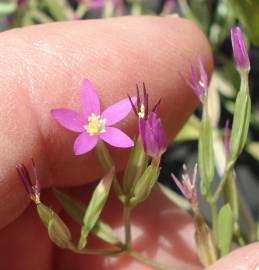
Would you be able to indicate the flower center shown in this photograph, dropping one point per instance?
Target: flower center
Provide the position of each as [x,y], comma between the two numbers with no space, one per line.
[96,125]
[141,113]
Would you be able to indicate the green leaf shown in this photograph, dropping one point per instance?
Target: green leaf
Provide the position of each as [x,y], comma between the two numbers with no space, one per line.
[76,210]
[205,154]
[103,231]
[57,229]
[73,207]
[57,9]
[248,12]
[175,198]
[240,122]
[230,192]
[200,9]
[7,8]
[95,207]
[225,229]
[253,149]
[144,185]
[135,166]
[107,164]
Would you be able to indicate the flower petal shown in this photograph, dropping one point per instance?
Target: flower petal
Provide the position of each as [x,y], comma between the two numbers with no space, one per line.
[116,112]
[69,119]
[84,143]
[89,100]
[117,138]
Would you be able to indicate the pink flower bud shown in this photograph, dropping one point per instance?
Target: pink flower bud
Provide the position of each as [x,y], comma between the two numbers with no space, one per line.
[239,50]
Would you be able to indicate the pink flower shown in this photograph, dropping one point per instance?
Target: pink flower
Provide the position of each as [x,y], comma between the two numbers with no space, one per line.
[239,50]
[199,84]
[32,190]
[93,125]
[152,135]
[188,186]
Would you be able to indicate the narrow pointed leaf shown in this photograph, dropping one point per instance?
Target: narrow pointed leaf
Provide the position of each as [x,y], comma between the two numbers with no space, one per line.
[135,166]
[175,198]
[95,207]
[57,229]
[144,185]
[73,207]
[206,155]
[225,229]
[76,210]
[240,124]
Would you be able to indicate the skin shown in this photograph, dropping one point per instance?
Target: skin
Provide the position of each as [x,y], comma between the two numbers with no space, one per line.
[42,68]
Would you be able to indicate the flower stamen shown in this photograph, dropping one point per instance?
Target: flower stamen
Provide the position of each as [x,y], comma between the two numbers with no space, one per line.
[96,125]
[142,110]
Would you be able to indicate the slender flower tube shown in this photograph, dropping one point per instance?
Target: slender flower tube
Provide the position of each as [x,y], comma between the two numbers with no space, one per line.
[92,124]
[32,190]
[188,186]
[199,84]
[152,135]
[239,50]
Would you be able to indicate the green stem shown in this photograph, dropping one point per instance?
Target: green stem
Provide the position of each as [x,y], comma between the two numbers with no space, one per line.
[214,214]
[248,219]
[126,217]
[148,261]
[97,252]
[216,195]
[107,163]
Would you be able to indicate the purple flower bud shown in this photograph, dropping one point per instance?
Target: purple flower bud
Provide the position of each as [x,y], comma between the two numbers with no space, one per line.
[239,50]
[198,83]
[188,186]
[152,135]
[32,190]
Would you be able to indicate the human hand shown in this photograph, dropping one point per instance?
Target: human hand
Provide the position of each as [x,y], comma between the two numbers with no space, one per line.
[42,68]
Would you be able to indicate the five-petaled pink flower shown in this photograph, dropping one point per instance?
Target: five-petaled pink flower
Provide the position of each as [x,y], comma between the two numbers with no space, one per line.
[92,124]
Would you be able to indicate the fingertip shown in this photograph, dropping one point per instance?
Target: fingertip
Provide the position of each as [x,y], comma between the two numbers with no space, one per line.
[246,258]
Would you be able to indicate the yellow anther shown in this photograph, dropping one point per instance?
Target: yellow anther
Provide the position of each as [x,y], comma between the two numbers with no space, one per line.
[96,125]
[141,113]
